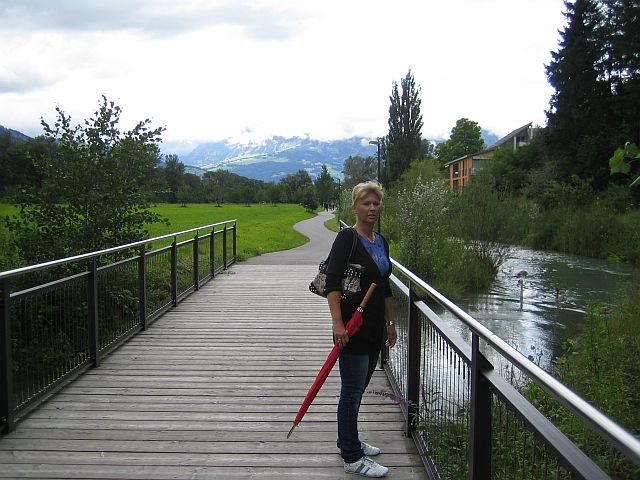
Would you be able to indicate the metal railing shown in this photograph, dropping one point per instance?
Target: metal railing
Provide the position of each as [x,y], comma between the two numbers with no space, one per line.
[466,417]
[61,317]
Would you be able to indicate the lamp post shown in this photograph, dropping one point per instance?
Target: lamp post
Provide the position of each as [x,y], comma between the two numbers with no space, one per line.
[338,204]
[376,142]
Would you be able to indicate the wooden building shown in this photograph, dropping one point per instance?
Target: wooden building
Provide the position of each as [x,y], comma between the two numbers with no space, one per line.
[462,169]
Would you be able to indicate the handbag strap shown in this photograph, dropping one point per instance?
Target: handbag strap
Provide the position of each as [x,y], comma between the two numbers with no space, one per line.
[353,245]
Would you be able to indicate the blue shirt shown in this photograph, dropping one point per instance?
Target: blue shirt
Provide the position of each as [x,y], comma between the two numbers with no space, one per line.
[377,252]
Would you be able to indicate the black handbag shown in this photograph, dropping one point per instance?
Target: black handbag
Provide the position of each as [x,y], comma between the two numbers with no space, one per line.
[350,277]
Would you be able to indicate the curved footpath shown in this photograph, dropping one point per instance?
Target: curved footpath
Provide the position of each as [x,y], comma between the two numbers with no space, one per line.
[311,253]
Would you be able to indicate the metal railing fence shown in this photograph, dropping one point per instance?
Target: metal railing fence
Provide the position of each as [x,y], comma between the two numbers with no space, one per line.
[61,317]
[467,419]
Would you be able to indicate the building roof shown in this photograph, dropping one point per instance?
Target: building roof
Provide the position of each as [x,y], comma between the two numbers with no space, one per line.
[509,136]
[496,145]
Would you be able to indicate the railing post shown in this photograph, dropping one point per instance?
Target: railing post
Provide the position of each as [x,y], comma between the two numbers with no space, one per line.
[224,246]
[196,266]
[6,360]
[174,272]
[212,251]
[92,317]
[480,432]
[142,288]
[235,252]
[413,363]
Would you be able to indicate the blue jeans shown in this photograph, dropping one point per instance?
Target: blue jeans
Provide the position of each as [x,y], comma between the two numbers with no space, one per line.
[355,373]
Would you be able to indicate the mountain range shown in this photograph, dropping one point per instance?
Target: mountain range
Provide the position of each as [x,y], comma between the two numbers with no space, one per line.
[273,158]
[16,135]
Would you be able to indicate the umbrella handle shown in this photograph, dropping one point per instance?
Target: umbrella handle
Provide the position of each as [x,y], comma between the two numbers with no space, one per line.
[366,298]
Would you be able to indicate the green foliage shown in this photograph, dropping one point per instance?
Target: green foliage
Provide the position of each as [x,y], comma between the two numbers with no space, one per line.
[358,169]
[325,186]
[16,162]
[601,364]
[596,78]
[622,159]
[428,169]
[403,143]
[261,228]
[481,218]
[422,232]
[528,167]
[298,188]
[95,187]
[465,138]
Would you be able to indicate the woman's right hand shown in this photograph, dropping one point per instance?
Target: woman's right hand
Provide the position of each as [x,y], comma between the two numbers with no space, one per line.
[340,335]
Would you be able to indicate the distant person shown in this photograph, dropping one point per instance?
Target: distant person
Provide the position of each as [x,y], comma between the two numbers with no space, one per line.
[360,353]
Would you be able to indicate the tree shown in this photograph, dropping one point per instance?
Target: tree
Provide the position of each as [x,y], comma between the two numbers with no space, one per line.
[358,169]
[293,186]
[403,143]
[465,138]
[174,174]
[16,161]
[325,187]
[580,117]
[623,64]
[96,186]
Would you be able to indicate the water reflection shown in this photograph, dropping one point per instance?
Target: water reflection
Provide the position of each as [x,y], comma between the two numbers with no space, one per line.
[548,307]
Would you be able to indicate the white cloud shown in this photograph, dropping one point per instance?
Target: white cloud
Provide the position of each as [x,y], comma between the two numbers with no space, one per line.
[209,70]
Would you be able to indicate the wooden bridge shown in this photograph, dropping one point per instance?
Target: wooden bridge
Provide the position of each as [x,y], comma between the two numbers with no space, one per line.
[210,391]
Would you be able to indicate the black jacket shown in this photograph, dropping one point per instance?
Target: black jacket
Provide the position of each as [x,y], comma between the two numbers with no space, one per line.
[373,332]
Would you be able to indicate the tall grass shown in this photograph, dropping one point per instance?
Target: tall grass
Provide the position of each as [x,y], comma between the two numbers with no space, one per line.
[449,241]
[601,364]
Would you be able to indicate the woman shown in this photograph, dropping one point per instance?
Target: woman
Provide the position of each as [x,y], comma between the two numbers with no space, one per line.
[359,354]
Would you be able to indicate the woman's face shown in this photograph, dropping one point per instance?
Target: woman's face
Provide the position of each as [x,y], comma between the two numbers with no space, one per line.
[367,209]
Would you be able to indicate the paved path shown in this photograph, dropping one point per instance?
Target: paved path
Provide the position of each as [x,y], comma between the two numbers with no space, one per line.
[311,253]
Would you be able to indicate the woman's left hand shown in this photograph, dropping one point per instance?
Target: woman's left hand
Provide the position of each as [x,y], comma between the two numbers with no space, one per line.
[392,337]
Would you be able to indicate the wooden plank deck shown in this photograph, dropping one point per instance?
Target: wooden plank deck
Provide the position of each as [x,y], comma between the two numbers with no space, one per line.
[209,392]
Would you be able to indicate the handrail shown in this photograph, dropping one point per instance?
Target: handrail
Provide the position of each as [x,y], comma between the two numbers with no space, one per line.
[90,255]
[95,310]
[620,437]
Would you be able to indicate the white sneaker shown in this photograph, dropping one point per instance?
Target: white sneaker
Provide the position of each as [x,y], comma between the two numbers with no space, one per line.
[369,450]
[366,467]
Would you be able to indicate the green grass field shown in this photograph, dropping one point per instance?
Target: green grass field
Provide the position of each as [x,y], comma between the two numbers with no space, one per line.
[261,228]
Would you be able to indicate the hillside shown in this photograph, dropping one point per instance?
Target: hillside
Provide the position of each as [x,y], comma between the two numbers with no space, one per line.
[276,157]
[16,135]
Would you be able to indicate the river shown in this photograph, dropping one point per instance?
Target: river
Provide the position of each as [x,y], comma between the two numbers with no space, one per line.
[539,324]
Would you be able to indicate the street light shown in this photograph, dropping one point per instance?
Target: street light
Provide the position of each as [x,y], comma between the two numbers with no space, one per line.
[376,142]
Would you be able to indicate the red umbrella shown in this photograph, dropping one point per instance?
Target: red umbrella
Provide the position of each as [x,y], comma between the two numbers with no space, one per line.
[352,327]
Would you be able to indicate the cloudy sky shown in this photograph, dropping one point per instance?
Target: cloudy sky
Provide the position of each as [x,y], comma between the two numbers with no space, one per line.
[248,69]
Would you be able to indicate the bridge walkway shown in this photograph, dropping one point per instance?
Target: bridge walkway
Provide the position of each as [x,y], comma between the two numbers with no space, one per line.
[209,391]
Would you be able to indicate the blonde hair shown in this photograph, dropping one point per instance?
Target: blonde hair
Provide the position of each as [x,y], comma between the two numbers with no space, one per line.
[363,189]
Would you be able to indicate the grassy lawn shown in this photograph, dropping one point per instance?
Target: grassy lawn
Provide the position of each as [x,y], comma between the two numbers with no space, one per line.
[261,228]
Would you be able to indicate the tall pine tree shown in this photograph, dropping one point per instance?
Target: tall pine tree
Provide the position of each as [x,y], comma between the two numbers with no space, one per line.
[623,63]
[579,115]
[403,143]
